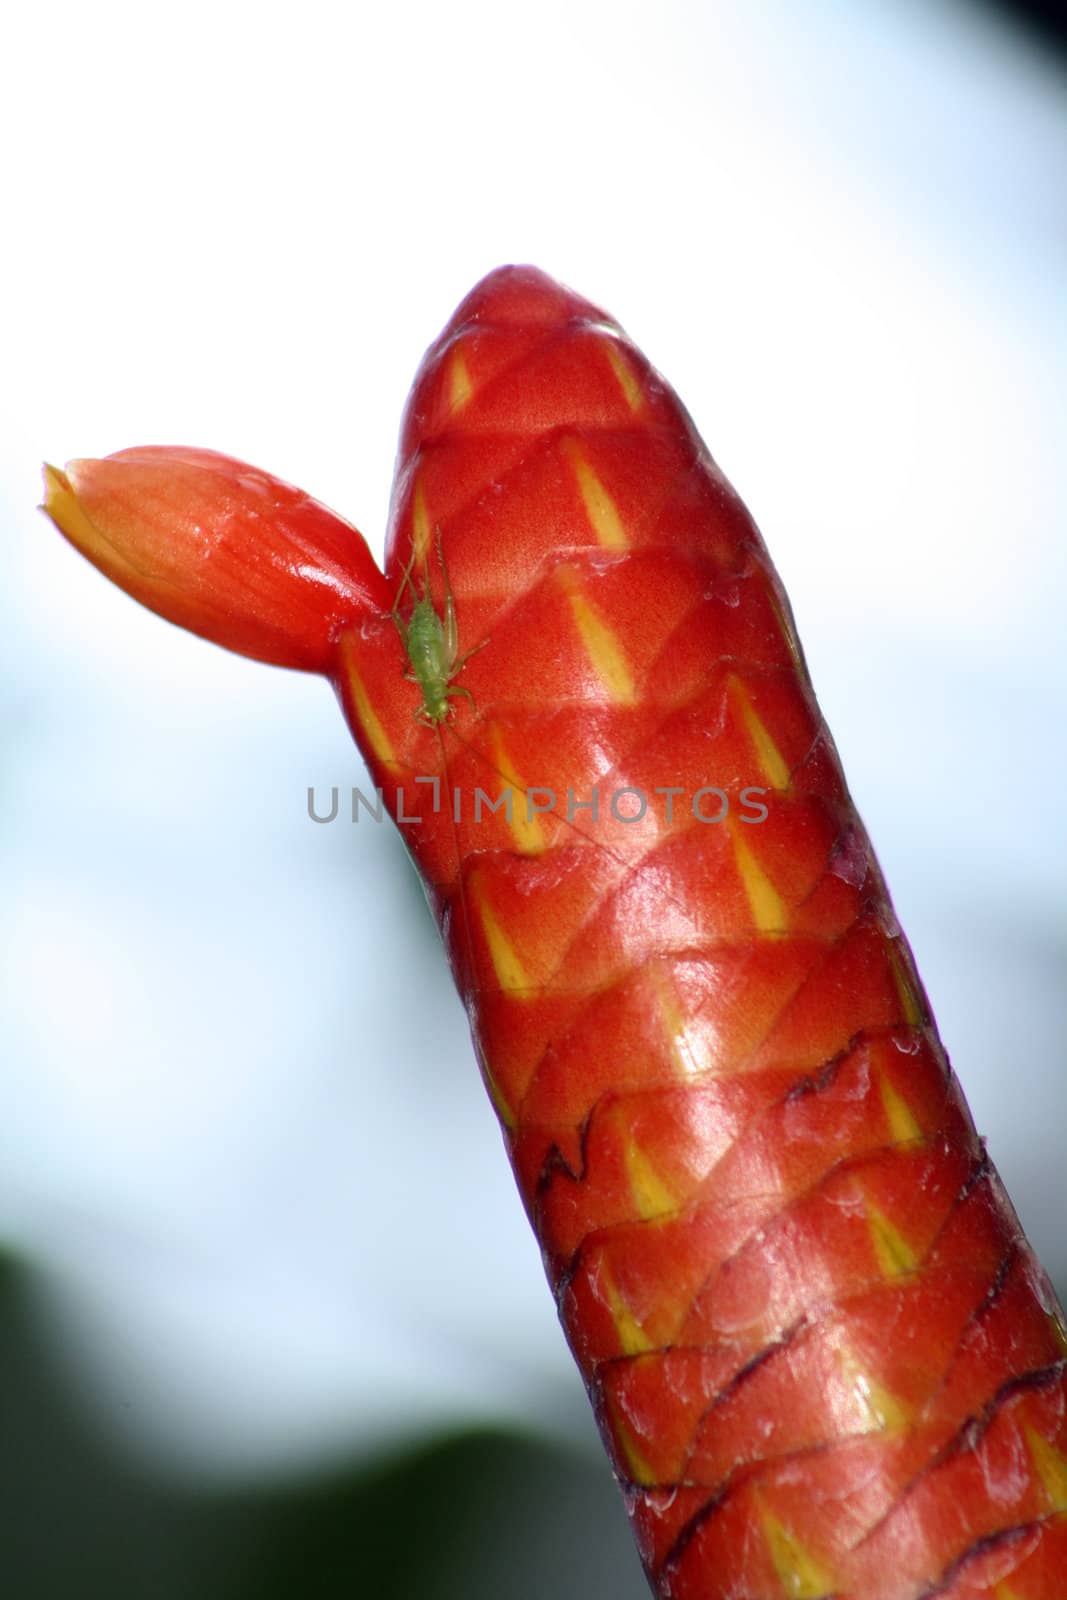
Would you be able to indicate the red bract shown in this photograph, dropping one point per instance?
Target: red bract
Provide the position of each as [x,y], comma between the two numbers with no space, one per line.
[221,548]
[823,1358]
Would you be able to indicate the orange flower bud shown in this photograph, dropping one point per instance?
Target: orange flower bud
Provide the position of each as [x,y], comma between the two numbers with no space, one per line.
[220,548]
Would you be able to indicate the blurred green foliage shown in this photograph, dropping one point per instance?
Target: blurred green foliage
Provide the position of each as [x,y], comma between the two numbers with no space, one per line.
[483,1513]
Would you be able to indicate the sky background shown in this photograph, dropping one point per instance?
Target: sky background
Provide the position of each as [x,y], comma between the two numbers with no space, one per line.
[245,1151]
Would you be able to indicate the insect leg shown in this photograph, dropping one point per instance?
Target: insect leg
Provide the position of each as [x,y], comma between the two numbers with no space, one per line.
[473,651]
[405,583]
[450,629]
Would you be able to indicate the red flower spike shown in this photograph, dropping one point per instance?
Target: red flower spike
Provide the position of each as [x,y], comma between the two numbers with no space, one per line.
[220,548]
[824,1360]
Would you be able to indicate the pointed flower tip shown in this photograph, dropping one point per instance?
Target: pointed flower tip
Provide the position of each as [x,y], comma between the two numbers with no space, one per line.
[220,548]
[56,484]
[63,508]
[60,504]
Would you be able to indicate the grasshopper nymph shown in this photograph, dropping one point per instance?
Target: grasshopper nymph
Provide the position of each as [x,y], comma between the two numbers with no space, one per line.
[431,644]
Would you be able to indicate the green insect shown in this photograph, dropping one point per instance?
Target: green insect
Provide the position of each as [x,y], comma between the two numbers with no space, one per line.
[431,644]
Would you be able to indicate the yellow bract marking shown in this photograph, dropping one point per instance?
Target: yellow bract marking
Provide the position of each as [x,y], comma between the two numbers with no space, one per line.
[510,972]
[1059,1328]
[878,1409]
[802,1577]
[671,1017]
[460,387]
[688,1049]
[601,645]
[769,911]
[902,1123]
[421,532]
[600,508]
[366,716]
[909,1000]
[1051,1467]
[526,830]
[788,632]
[639,1469]
[894,1253]
[628,381]
[1002,1592]
[503,1110]
[632,1336]
[767,752]
[496,1095]
[651,1195]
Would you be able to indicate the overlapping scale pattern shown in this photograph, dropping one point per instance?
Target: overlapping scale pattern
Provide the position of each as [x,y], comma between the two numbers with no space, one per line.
[822,1356]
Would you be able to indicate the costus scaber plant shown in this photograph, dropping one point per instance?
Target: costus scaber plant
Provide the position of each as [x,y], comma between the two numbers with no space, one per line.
[824,1361]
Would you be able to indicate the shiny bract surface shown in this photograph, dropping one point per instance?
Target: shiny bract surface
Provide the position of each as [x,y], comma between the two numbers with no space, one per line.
[823,1358]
